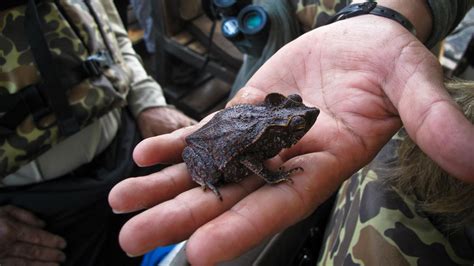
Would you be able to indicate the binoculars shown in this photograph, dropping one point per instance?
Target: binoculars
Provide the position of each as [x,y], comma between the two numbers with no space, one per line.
[246,25]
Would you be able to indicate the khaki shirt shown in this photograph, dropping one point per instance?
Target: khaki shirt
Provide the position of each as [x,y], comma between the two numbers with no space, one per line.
[82,147]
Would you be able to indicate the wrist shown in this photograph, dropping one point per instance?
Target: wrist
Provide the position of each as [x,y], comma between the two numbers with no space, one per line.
[416,11]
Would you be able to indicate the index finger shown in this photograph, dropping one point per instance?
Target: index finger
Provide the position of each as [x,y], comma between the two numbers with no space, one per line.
[166,148]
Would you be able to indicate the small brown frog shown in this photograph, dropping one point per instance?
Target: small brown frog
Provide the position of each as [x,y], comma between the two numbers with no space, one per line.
[237,140]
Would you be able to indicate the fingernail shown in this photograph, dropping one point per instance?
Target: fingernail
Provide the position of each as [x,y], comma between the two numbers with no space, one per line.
[118,212]
[132,256]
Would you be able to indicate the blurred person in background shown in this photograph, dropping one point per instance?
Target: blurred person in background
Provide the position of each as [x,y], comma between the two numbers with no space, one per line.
[60,159]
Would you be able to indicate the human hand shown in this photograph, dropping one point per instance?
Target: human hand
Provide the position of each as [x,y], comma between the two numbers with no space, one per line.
[23,242]
[367,75]
[161,120]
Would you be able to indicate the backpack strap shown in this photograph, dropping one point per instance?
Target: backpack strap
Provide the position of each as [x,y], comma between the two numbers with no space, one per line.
[15,107]
[40,100]
[53,89]
[7,103]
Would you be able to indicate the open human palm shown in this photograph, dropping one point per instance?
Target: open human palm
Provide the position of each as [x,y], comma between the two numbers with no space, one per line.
[366,81]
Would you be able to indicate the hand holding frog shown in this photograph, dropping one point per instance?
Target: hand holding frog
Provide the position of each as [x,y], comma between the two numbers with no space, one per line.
[366,82]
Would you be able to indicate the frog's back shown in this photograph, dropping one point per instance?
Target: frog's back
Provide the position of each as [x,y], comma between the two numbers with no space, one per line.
[230,132]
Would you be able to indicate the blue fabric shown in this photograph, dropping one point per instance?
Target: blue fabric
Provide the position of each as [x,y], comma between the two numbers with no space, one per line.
[142,9]
[154,257]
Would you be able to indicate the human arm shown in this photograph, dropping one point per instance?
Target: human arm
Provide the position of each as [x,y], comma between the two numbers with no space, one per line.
[24,242]
[146,100]
[368,75]
[161,120]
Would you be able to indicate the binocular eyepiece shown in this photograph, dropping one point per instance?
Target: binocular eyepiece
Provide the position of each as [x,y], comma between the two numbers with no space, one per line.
[247,26]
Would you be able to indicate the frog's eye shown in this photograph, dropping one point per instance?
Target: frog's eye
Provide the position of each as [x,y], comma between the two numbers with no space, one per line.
[295,97]
[275,99]
[297,123]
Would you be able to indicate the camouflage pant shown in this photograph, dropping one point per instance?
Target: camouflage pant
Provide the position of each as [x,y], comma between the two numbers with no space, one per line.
[373,225]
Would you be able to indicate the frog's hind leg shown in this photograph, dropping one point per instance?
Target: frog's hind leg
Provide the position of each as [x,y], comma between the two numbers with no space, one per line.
[213,189]
[269,176]
[201,170]
[205,185]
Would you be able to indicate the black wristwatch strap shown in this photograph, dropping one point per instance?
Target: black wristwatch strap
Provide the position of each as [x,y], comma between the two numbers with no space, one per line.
[372,8]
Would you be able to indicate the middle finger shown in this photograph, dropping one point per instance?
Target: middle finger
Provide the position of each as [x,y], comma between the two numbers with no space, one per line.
[137,193]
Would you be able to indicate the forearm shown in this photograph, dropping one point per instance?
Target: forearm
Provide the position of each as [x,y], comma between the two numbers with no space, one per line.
[416,11]
[145,92]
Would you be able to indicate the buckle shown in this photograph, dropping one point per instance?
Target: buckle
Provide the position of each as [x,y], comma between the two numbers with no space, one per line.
[372,8]
[96,63]
[352,11]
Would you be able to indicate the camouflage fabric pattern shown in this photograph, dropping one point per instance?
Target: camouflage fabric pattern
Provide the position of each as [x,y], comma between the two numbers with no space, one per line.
[314,13]
[373,225]
[72,36]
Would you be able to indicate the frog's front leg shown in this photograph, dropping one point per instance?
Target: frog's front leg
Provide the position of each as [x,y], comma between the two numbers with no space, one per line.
[201,169]
[271,177]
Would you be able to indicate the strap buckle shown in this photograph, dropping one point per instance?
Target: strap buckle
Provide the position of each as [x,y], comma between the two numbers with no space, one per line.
[353,10]
[96,63]
[372,8]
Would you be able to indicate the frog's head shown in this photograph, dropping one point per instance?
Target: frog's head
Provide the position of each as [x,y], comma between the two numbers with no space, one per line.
[295,117]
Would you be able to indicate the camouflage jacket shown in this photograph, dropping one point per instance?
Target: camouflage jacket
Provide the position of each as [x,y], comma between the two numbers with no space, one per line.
[372,224]
[144,93]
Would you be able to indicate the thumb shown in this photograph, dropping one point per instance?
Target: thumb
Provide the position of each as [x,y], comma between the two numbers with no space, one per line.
[247,95]
[431,117]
